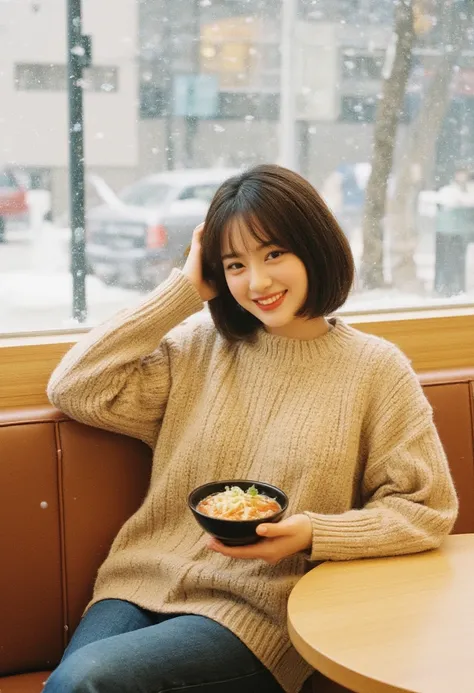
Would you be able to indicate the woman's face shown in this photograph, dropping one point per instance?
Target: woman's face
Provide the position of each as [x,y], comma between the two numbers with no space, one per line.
[267,280]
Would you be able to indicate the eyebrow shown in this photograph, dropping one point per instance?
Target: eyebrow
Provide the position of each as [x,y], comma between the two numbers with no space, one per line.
[266,244]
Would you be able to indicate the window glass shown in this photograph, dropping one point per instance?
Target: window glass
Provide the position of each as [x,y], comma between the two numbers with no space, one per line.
[146,194]
[37,77]
[7,180]
[199,192]
[361,66]
[371,100]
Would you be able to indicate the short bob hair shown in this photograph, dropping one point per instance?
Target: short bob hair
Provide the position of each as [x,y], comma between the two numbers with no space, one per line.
[276,205]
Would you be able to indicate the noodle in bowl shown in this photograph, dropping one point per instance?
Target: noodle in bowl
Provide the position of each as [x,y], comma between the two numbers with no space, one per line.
[236,504]
[232,510]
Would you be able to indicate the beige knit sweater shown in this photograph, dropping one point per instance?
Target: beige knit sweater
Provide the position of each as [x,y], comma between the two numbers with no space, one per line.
[340,423]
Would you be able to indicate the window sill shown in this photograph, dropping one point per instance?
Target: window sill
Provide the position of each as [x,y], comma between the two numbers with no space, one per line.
[434,340]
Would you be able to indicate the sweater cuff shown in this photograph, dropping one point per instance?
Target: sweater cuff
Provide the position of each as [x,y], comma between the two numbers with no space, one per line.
[341,537]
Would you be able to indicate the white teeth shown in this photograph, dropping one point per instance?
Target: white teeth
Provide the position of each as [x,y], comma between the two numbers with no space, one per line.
[268,301]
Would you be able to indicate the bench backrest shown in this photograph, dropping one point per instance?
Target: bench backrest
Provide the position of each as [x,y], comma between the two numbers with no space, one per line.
[67,488]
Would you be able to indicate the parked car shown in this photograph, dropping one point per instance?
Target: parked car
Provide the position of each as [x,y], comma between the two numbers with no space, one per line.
[136,237]
[13,202]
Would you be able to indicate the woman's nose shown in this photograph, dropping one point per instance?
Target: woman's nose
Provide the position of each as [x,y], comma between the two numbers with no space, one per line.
[259,281]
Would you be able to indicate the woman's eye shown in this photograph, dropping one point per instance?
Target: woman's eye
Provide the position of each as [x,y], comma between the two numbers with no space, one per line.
[234,266]
[275,254]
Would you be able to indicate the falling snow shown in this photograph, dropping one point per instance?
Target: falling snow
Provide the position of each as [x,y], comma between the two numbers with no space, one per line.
[203,84]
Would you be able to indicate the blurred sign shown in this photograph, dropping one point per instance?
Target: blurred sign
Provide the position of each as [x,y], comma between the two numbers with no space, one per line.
[317,71]
[195,95]
[424,19]
[229,49]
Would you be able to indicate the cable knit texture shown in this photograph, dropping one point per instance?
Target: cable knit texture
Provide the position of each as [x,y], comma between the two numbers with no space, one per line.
[340,423]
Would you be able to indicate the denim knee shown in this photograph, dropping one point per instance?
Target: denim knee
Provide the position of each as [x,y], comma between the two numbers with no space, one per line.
[81,673]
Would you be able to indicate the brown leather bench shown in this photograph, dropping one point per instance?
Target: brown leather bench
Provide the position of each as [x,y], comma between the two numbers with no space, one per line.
[66,489]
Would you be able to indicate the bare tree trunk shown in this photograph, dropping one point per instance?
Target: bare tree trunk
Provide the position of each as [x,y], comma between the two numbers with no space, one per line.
[385,132]
[419,150]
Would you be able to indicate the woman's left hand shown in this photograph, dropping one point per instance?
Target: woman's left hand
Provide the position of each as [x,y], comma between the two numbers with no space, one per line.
[282,539]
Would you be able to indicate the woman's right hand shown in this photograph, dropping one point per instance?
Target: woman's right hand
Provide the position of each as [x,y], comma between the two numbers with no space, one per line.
[193,267]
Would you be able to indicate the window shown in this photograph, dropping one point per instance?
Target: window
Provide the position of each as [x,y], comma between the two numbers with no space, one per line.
[7,181]
[358,109]
[199,192]
[361,66]
[249,105]
[39,77]
[199,88]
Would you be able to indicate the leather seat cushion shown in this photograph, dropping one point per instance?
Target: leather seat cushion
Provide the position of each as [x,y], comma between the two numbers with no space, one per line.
[24,683]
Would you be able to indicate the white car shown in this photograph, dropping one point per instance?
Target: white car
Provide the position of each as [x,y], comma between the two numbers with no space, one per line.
[136,237]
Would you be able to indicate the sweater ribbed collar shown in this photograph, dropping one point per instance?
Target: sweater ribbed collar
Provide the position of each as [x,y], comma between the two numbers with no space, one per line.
[305,350]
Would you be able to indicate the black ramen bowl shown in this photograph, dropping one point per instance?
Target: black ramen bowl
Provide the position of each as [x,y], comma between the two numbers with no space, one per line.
[235,532]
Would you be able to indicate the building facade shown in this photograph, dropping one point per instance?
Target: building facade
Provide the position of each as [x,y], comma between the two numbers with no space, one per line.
[33,86]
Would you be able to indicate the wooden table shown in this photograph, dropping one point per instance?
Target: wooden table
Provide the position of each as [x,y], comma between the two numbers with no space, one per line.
[391,624]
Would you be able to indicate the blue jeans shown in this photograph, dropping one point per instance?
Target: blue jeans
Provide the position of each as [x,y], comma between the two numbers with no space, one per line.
[120,648]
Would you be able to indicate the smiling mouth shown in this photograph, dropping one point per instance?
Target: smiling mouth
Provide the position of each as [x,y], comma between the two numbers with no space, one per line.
[270,300]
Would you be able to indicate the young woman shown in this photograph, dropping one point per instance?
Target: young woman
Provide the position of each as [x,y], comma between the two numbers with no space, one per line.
[270,389]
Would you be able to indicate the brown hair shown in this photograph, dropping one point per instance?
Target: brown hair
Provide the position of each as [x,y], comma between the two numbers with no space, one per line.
[277,205]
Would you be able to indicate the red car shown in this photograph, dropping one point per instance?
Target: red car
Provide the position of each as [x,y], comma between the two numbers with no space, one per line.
[13,201]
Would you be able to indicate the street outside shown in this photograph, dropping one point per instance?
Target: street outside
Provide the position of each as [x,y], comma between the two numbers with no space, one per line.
[36,287]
